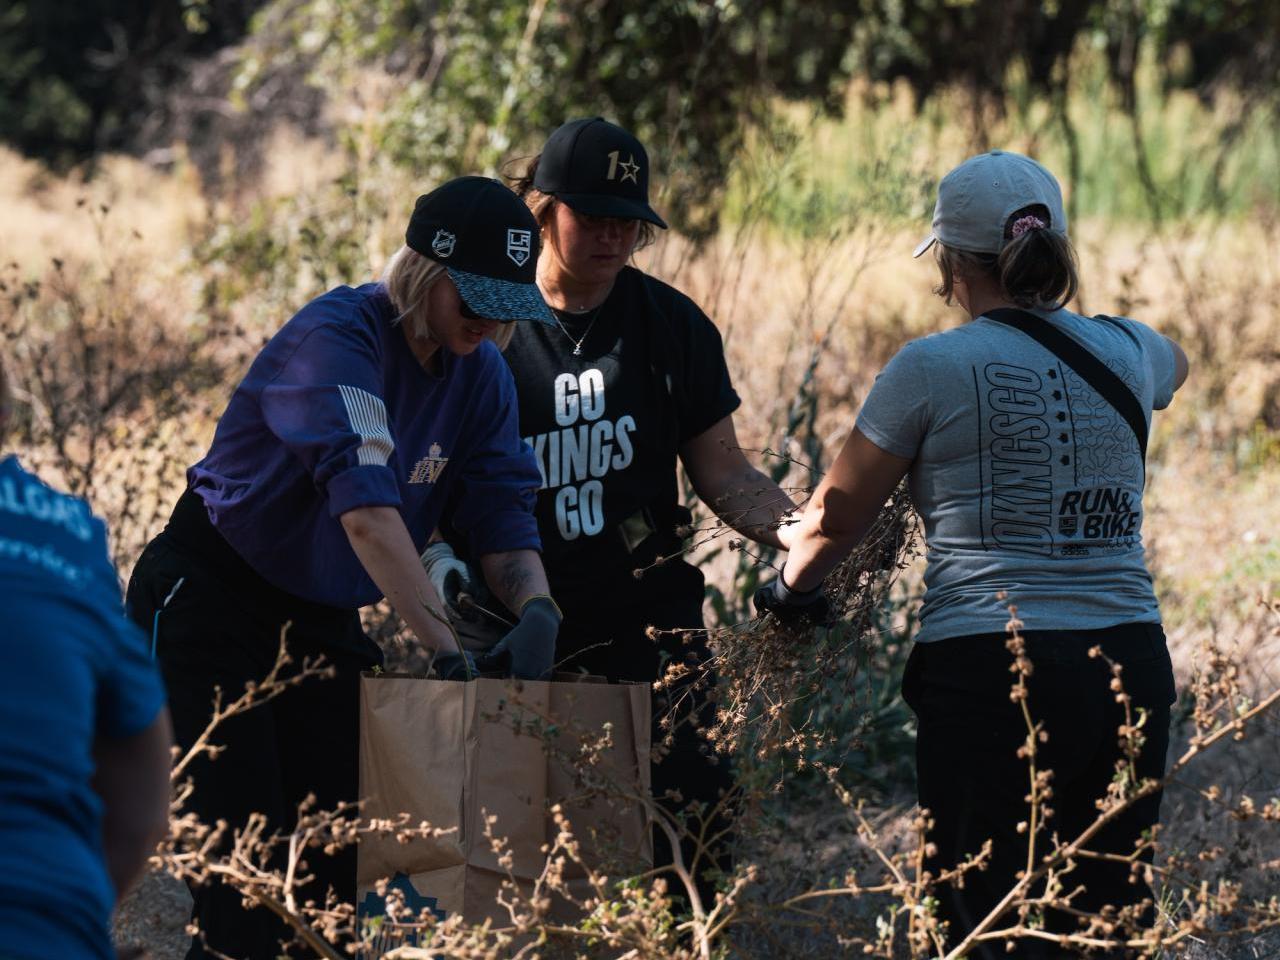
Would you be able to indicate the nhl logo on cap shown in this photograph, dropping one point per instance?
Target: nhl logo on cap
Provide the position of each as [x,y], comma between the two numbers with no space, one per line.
[442,243]
[519,244]
[487,241]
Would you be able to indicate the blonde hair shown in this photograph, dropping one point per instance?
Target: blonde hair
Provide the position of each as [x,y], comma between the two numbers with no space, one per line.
[407,278]
[1035,270]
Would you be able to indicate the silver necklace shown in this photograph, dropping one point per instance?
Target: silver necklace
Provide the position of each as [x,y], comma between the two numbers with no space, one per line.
[577,344]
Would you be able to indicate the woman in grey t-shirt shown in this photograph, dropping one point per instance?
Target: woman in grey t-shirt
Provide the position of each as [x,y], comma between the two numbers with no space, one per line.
[1024,454]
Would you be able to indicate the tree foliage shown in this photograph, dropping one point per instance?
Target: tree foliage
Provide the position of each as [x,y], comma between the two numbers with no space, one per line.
[82,76]
[460,85]
[473,83]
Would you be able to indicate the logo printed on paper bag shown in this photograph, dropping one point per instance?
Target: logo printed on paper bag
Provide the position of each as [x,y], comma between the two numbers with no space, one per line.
[374,905]
[442,243]
[429,468]
[519,245]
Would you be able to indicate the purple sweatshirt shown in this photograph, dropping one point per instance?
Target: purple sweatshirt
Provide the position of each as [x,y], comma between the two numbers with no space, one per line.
[336,413]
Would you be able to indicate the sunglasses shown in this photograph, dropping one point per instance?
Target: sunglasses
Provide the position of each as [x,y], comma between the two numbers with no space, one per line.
[595,222]
[471,314]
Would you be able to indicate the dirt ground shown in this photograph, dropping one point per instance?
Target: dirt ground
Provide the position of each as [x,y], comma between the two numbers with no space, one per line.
[154,918]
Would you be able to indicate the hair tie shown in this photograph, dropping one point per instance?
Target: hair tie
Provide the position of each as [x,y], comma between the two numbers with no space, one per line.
[1026,223]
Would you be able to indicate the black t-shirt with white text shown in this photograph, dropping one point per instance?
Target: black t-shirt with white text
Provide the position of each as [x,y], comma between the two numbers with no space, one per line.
[606,425]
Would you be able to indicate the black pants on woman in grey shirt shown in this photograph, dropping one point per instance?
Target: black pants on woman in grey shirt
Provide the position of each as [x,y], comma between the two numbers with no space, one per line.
[975,785]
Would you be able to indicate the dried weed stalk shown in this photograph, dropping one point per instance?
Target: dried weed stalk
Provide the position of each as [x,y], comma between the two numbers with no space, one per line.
[766,672]
[885,909]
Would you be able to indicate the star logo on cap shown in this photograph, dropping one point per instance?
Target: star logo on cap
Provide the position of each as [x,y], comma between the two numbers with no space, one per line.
[629,169]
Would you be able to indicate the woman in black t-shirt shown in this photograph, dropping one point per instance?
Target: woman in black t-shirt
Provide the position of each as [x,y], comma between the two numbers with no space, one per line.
[632,378]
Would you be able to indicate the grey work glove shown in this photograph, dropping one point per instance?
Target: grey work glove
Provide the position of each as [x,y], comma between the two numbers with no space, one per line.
[528,651]
[455,666]
[449,575]
[792,607]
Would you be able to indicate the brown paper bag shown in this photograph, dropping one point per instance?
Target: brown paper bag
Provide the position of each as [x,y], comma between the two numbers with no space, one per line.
[451,753]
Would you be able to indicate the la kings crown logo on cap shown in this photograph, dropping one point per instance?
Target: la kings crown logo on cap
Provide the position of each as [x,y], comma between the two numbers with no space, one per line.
[442,243]
[519,245]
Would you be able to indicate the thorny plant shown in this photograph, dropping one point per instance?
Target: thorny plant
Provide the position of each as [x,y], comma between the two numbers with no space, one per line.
[898,880]
[1222,712]
[270,868]
[633,912]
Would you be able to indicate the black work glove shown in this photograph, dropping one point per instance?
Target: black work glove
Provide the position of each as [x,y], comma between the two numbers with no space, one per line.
[793,607]
[528,651]
[455,666]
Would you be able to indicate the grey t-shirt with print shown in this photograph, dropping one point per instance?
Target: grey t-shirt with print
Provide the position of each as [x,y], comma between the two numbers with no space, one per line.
[1027,480]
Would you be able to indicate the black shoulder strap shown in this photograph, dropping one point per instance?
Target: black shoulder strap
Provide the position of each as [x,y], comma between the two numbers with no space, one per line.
[1092,370]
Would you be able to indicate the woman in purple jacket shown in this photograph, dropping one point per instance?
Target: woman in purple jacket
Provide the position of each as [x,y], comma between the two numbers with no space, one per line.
[372,409]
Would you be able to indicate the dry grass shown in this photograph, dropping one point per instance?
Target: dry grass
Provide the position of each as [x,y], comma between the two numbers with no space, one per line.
[45,216]
[1214,492]
[1213,497]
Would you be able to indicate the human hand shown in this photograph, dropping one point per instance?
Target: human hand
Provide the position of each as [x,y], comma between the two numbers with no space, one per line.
[455,666]
[792,607]
[449,575]
[528,651]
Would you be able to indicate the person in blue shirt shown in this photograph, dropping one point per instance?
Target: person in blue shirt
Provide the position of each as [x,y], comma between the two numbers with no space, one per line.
[84,734]
[371,413]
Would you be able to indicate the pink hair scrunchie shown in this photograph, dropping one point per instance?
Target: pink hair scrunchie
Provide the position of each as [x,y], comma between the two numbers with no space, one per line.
[1026,223]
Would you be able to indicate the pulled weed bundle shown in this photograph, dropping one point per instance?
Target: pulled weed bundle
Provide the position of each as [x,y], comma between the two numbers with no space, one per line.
[768,674]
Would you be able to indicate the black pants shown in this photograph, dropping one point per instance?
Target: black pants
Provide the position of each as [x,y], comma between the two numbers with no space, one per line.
[974,784]
[605,633]
[221,628]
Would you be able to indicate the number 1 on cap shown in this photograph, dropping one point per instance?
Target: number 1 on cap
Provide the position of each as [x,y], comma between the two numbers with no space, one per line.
[613,164]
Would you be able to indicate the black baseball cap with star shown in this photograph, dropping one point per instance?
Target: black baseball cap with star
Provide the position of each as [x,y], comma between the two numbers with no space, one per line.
[597,168]
[487,240]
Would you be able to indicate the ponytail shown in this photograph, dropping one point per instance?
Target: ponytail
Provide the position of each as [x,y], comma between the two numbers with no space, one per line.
[1036,268]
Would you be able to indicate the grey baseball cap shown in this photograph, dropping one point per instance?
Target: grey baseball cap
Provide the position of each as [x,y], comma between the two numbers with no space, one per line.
[976,199]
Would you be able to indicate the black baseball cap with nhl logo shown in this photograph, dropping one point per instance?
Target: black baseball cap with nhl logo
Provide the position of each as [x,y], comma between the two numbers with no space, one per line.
[597,168]
[487,240]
